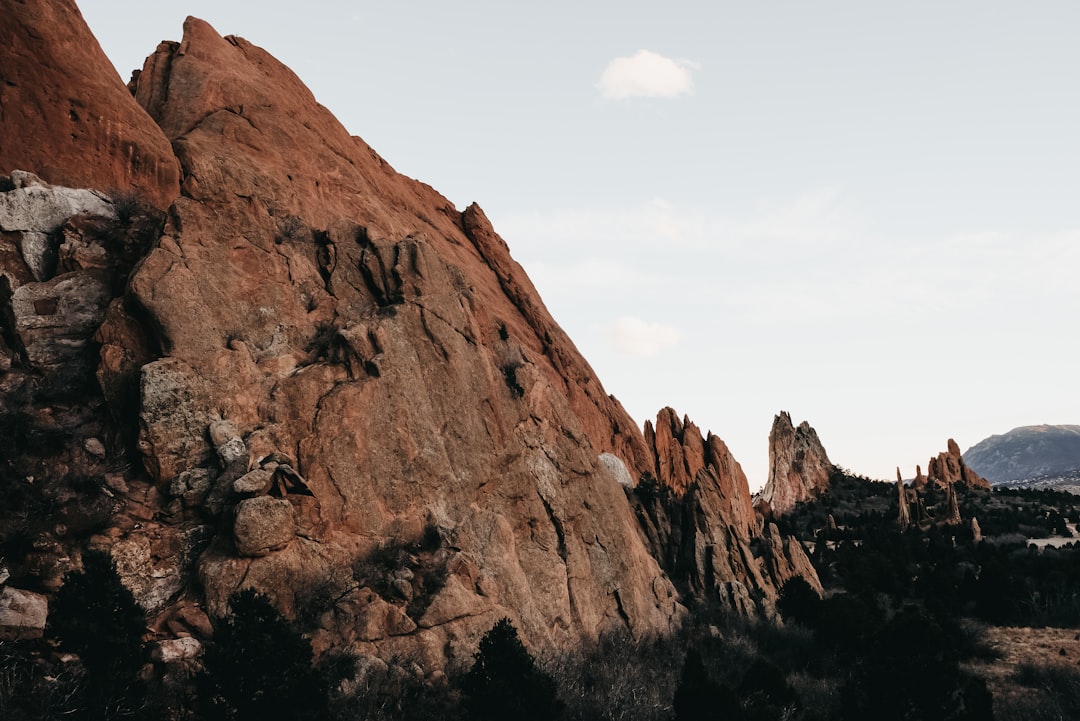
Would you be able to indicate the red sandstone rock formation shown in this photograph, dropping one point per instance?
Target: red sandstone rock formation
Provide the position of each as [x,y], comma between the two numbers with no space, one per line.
[799,468]
[949,468]
[324,360]
[904,514]
[66,115]
[709,524]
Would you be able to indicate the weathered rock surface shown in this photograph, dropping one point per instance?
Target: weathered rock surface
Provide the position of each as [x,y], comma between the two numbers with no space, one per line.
[389,350]
[903,518]
[22,614]
[331,369]
[799,467]
[705,528]
[66,114]
[54,325]
[263,525]
[949,468]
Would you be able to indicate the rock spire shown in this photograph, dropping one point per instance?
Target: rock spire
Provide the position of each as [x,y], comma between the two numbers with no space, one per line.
[799,467]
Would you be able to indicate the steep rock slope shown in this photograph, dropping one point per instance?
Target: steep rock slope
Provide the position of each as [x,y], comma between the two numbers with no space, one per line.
[65,114]
[1026,452]
[348,395]
[315,377]
[799,467]
[704,528]
[384,369]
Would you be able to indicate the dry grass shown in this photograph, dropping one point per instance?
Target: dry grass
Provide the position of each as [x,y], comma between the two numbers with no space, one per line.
[1036,674]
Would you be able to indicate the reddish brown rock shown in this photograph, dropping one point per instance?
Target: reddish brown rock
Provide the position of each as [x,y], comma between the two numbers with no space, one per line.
[22,614]
[919,482]
[799,467]
[706,529]
[904,514]
[949,468]
[349,318]
[65,113]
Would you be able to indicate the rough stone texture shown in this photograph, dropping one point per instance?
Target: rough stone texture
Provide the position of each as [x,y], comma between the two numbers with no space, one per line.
[66,114]
[903,518]
[325,286]
[54,325]
[33,211]
[919,482]
[177,650]
[22,614]
[263,525]
[976,530]
[952,508]
[618,469]
[799,467]
[705,531]
[949,468]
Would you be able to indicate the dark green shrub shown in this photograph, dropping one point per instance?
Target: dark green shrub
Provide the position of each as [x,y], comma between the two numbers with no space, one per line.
[259,668]
[504,682]
[95,617]
[698,697]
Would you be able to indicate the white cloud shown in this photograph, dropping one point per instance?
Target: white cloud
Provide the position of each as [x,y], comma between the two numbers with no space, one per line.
[646,75]
[636,337]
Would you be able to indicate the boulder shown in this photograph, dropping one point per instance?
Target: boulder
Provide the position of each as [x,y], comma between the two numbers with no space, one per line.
[263,525]
[22,614]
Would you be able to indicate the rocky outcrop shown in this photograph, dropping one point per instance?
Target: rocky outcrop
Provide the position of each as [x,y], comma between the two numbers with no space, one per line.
[920,481]
[903,504]
[702,524]
[316,378]
[324,367]
[949,468]
[22,614]
[952,507]
[65,113]
[799,467]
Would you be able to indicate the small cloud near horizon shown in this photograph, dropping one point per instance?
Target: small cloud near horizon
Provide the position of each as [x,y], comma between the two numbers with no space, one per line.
[636,337]
[646,75]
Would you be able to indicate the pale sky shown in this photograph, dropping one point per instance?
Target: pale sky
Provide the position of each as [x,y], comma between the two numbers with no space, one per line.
[864,213]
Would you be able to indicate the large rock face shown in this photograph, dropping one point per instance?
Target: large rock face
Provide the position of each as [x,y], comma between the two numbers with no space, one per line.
[316,378]
[65,113]
[799,468]
[705,529]
[349,324]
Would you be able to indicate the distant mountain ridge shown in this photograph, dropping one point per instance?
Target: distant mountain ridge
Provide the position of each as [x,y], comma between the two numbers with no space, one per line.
[1026,452]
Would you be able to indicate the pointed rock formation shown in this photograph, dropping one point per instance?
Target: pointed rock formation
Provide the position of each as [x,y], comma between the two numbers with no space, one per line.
[904,515]
[66,114]
[326,359]
[707,530]
[799,467]
[919,482]
[952,508]
[949,468]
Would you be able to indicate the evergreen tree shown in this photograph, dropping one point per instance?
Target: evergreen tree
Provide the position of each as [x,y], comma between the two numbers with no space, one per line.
[97,618]
[259,668]
[505,684]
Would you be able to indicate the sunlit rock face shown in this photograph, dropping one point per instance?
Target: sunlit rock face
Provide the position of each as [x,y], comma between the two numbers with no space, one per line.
[705,529]
[66,115]
[799,467]
[338,389]
[284,366]
[949,468]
